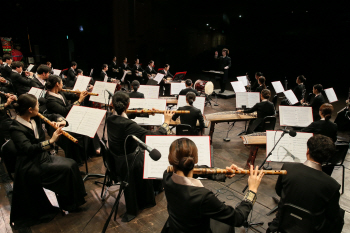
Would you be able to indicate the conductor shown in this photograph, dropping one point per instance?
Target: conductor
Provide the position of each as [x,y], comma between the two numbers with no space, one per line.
[224,65]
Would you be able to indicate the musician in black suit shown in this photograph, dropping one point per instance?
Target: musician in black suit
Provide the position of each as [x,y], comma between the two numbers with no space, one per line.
[125,68]
[316,102]
[192,207]
[150,72]
[71,75]
[103,75]
[224,65]
[264,108]
[194,116]
[256,83]
[188,88]
[299,90]
[43,73]
[137,71]
[163,85]
[113,68]
[21,84]
[135,94]
[262,85]
[307,187]
[6,69]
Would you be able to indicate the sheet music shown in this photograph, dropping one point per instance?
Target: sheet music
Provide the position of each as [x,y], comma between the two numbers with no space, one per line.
[289,149]
[295,116]
[330,93]
[37,92]
[291,97]
[56,72]
[84,120]
[159,104]
[99,88]
[82,83]
[278,86]
[159,77]
[30,67]
[175,88]
[243,79]
[198,103]
[150,91]
[155,169]
[238,86]
[249,99]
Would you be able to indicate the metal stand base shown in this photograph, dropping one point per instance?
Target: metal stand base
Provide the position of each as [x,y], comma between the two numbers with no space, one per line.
[227,139]
[248,225]
[243,132]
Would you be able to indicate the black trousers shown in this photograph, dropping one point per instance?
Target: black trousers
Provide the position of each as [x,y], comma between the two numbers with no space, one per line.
[223,80]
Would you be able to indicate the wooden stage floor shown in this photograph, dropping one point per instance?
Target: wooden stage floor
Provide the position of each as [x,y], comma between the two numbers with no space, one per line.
[92,215]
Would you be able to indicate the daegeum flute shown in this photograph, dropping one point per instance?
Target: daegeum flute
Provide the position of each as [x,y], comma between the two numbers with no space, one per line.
[149,111]
[203,171]
[70,137]
[78,92]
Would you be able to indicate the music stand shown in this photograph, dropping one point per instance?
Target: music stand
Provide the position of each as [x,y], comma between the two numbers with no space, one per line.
[179,76]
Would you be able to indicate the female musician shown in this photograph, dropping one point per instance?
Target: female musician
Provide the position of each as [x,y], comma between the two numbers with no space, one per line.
[140,193]
[195,114]
[5,120]
[37,168]
[135,86]
[190,205]
[316,102]
[262,86]
[324,126]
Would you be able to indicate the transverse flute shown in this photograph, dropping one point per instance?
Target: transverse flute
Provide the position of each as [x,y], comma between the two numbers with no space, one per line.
[70,137]
[78,92]
[157,111]
[204,171]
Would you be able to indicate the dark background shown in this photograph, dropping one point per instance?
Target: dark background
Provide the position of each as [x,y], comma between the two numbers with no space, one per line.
[282,39]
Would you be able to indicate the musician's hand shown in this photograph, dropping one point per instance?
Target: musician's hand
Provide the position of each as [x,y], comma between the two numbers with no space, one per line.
[62,123]
[113,80]
[2,80]
[28,73]
[10,99]
[56,135]
[232,168]
[153,109]
[82,96]
[254,178]
[167,116]
[302,101]
[226,67]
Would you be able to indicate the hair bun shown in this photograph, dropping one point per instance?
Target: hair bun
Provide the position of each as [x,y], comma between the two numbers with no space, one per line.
[187,163]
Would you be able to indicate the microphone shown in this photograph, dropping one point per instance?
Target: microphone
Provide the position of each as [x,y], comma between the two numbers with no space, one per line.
[291,132]
[153,153]
[109,93]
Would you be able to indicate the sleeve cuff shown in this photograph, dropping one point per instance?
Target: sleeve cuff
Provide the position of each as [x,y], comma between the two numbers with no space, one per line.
[250,196]
[166,127]
[45,145]
[77,103]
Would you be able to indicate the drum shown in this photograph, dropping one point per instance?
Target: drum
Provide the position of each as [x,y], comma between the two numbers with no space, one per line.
[204,86]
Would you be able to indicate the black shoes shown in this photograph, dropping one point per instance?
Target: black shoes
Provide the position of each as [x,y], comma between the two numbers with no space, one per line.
[221,91]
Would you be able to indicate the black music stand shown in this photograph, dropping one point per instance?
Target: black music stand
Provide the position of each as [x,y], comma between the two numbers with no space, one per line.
[87,174]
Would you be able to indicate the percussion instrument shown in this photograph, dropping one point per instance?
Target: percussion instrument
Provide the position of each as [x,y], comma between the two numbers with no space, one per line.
[78,92]
[204,86]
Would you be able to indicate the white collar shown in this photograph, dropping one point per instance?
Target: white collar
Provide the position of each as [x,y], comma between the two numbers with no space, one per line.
[322,119]
[313,165]
[122,115]
[15,71]
[264,100]
[40,80]
[182,180]
[150,67]
[31,125]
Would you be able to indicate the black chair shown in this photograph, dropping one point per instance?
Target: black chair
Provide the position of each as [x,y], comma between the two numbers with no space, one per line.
[274,101]
[183,129]
[268,123]
[9,156]
[111,178]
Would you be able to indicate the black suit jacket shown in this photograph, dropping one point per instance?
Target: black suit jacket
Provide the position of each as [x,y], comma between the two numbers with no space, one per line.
[188,89]
[191,119]
[125,67]
[326,128]
[168,75]
[71,78]
[56,105]
[150,71]
[6,72]
[255,85]
[36,83]
[263,109]
[102,77]
[21,84]
[135,68]
[316,104]
[137,95]
[259,89]
[298,91]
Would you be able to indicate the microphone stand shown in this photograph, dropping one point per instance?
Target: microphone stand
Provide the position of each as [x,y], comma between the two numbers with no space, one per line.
[107,109]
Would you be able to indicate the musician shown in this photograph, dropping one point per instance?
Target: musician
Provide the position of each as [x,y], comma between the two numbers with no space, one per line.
[262,86]
[149,70]
[125,68]
[5,119]
[140,193]
[264,108]
[195,114]
[191,206]
[43,73]
[37,168]
[320,192]
[113,67]
[256,83]
[188,84]
[49,64]
[2,65]
[135,94]
[103,75]
[225,64]
[71,75]
[137,71]
[316,102]
[299,90]
[21,84]
[6,70]
[162,83]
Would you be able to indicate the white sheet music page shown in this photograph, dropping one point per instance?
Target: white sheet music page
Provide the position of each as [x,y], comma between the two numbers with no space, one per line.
[243,79]
[278,86]
[37,92]
[155,169]
[295,116]
[100,89]
[249,99]
[159,104]
[291,97]
[238,86]
[198,103]
[84,120]
[56,71]
[289,149]
[82,83]
[175,88]
[30,67]
[330,93]
[150,91]
[159,77]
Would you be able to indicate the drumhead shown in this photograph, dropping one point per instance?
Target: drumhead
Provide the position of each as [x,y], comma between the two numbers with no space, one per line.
[209,88]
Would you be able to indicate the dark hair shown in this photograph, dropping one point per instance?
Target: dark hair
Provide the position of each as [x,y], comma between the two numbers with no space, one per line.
[188,82]
[266,93]
[7,57]
[262,80]
[183,155]
[16,64]
[226,50]
[321,148]
[43,69]
[150,62]
[259,74]
[51,81]
[104,66]
[302,78]
[326,110]
[73,63]
[125,58]
[166,65]
[114,57]
[48,63]
[79,71]
[24,102]
[120,101]
[190,97]
[135,85]
[318,87]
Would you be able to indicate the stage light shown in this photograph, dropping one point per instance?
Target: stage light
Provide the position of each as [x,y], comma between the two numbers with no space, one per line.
[81,28]
[207,24]
[67,37]
[210,27]
[240,16]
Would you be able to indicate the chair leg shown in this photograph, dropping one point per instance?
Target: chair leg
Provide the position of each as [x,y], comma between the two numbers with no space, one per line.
[343,178]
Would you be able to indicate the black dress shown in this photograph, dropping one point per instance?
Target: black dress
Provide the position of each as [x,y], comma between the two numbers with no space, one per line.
[191,119]
[35,169]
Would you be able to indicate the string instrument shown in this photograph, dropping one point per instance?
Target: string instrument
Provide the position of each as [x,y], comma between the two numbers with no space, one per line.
[78,92]
[207,171]
[70,137]
[157,111]
[258,138]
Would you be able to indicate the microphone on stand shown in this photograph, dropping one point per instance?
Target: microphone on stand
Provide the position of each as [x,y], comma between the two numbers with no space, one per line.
[109,93]
[291,132]
[153,153]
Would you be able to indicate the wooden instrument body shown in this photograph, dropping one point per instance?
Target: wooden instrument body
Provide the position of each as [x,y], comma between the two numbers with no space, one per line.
[254,139]
[206,171]
[78,92]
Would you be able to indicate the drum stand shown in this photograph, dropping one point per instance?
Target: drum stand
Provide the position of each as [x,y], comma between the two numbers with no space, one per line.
[208,99]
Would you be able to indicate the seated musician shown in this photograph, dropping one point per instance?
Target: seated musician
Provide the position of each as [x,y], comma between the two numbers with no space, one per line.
[261,82]
[103,75]
[135,94]
[71,75]
[5,119]
[316,102]
[49,64]
[113,67]
[21,84]
[39,80]
[125,68]
[256,83]
[137,71]
[191,206]
[139,194]
[194,116]
[188,88]
[5,80]
[162,83]
[36,168]
[150,71]
[298,90]
[320,192]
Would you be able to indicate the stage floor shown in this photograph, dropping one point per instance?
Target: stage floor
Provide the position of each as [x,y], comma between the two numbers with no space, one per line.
[91,218]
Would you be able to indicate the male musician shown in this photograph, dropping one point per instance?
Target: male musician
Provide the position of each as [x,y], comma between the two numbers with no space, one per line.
[299,90]
[150,71]
[316,102]
[162,83]
[71,76]
[188,88]
[135,94]
[43,73]
[21,84]
[125,68]
[6,70]
[113,68]
[307,187]
[256,82]
[103,75]
[224,65]
[137,71]
[2,65]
